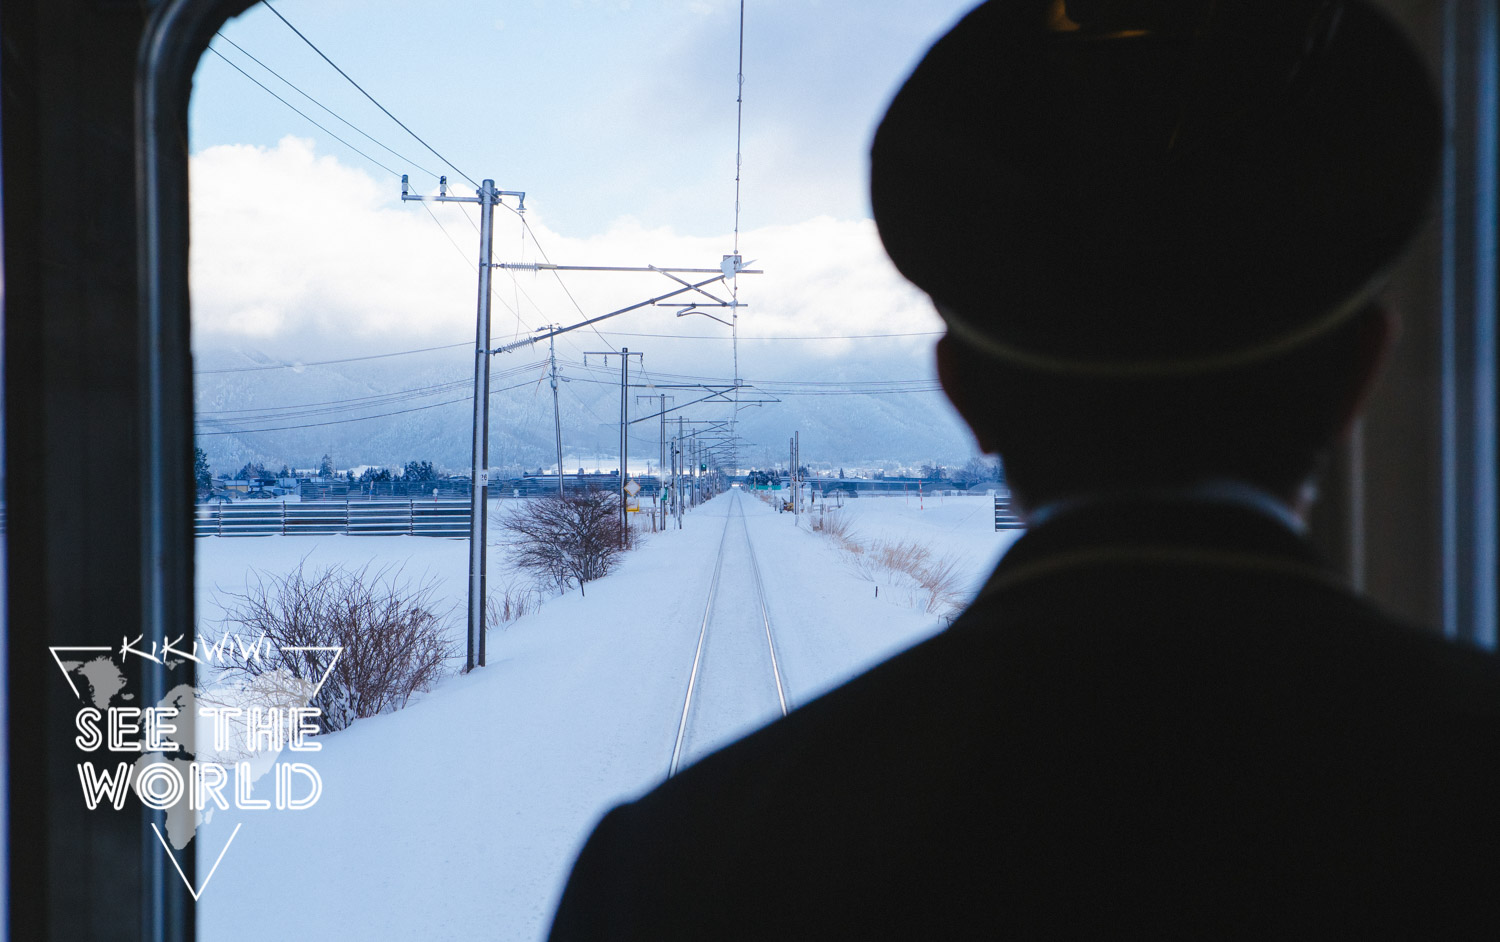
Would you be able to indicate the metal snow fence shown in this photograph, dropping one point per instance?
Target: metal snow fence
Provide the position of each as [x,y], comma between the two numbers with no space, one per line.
[1005,517]
[440,518]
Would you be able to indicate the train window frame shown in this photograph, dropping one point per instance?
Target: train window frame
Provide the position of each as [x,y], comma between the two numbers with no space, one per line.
[1471,87]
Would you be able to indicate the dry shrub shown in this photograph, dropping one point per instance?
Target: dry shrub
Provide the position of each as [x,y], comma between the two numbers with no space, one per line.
[927,580]
[563,540]
[939,578]
[509,604]
[837,527]
[390,639]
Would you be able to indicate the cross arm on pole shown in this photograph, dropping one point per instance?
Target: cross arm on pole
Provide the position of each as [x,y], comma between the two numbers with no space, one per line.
[717,300]
[547,266]
[507,348]
[718,394]
[639,355]
[444,197]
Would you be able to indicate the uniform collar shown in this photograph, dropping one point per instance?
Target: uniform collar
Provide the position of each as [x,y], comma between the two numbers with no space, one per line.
[1216,491]
[1207,529]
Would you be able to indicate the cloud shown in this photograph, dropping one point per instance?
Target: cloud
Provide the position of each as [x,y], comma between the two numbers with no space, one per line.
[287,244]
[303,256]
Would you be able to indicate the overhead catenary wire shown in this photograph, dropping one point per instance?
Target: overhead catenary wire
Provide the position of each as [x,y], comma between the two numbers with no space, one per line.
[362,91]
[543,253]
[356,403]
[734,287]
[598,375]
[451,241]
[782,388]
[914,333]
[739,120]
[284,428]
[341,140]
[801,389]
[362,418]
[373,399]
[301,112]
[299,365]
[283,411]
[346,143]
[293,86]
[515,311]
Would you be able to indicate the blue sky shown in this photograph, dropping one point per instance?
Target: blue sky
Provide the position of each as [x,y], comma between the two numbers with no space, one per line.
[599,109]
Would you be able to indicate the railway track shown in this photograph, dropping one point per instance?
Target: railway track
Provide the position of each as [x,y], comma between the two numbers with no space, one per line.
[735,684]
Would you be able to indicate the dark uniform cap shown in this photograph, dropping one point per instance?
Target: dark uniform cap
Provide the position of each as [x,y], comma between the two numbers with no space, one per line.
[1158,186]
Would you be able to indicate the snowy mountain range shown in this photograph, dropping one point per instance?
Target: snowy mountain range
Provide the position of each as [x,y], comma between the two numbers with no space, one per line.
[387,410]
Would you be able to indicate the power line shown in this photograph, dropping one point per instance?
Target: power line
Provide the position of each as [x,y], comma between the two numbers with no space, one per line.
[739,118]
[290,84]
[934,388]
[304,114]
[362,418]
[776,386]
[377,104]
[515,311]
[543,253]
[357,402]
[874,388]
[915,333]
[284,428]
[346,403]
[468,261]
[798,389]
[325,130]
[372,399]
[294,366]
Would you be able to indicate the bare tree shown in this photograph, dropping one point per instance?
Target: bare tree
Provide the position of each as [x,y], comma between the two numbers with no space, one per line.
[382,635]
[563,540]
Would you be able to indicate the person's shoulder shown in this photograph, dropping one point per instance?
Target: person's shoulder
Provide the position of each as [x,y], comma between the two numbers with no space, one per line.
[1012,735]
[795,815]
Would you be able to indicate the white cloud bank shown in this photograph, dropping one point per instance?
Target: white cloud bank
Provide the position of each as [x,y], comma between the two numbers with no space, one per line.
[300,255]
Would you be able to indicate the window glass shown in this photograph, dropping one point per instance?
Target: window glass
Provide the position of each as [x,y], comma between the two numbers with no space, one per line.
[788,452]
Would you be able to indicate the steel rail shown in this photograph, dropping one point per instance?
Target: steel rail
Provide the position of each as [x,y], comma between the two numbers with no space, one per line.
[765,617]
[687,702]
[760,594]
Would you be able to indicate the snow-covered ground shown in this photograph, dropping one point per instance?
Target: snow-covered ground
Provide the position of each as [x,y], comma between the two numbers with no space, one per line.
[960,528]
[459,816]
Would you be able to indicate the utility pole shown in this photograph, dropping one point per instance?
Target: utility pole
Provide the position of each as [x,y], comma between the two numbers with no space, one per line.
[796,476]
[624,354]
[662,462]
[729,270]
[487,197]
[556,415]
[624,438]
[661,453]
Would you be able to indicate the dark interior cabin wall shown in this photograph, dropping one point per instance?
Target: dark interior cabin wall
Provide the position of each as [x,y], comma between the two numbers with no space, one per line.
[1379,519]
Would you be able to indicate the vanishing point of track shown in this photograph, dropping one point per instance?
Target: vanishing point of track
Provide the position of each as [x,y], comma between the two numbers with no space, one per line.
[731,619]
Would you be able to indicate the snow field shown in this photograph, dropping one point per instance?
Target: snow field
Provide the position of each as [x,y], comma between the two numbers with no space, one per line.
[459,816]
